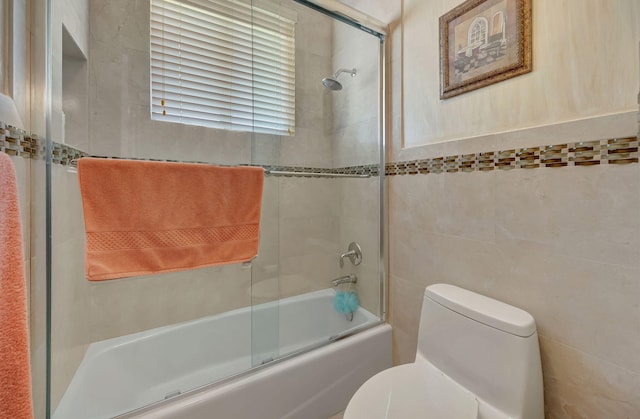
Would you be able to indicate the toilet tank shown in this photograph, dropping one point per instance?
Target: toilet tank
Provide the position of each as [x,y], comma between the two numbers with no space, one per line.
[488,347]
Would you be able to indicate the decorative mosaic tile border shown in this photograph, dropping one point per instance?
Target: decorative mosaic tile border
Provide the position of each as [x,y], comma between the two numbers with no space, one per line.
[585,153]
[366,170]
[65,155]
[17,142]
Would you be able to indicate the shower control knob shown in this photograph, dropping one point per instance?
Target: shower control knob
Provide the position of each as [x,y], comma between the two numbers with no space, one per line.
[354,254]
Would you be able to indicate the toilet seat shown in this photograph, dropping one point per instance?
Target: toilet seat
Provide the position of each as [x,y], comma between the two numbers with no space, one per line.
[417,390]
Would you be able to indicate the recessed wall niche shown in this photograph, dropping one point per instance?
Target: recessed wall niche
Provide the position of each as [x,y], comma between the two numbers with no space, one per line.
[75,98]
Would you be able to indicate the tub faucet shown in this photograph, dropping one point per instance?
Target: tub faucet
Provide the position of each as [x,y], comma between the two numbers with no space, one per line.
[348,279]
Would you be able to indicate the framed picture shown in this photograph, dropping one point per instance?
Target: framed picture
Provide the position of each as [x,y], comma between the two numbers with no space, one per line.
[483,42]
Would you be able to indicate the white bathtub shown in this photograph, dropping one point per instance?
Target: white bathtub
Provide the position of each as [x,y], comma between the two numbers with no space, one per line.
[119,375]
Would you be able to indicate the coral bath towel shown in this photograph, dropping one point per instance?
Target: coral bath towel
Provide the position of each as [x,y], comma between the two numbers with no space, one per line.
[146,217]
[15,374]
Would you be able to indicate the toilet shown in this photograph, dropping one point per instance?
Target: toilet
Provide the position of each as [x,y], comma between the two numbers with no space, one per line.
[477,358]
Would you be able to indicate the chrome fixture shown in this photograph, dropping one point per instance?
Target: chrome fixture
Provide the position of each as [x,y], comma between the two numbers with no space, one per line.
[348,279]
[332,83]
[354,254]
[311,174]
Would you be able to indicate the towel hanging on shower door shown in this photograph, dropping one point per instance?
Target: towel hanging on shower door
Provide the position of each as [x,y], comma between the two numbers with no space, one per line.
[145,217]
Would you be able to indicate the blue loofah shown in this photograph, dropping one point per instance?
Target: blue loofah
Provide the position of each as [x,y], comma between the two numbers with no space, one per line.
[351,302]
[346,302]
[338,301]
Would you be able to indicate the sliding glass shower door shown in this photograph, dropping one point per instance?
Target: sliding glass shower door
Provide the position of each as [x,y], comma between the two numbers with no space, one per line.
[323,185]
[143,81]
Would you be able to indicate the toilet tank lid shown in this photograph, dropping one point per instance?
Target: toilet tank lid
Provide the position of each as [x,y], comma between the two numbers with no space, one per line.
[483,309]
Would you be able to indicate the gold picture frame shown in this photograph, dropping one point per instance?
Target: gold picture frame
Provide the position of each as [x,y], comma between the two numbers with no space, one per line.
[483,42]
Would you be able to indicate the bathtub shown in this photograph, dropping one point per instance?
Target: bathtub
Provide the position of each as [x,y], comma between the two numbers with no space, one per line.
[155,367]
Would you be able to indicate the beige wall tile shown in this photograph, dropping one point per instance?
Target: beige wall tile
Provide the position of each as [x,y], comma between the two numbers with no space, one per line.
[308,197]
[360,198]
[583,212]
[578,385]
[579,302]
[559,243]
[404,346]
[466,206]
[308,147]
[413,201]
[428,258]
[355,108]
[406,303]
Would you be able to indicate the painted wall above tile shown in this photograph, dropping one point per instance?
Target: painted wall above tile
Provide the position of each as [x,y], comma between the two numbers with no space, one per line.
[584,65]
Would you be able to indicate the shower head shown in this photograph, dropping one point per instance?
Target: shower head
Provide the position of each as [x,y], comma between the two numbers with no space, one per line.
[332,83]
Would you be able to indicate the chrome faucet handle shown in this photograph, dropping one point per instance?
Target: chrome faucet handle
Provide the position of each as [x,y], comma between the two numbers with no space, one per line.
[354,254]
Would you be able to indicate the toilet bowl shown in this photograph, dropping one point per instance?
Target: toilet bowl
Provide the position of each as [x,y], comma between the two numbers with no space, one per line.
[477,358]
[412,391]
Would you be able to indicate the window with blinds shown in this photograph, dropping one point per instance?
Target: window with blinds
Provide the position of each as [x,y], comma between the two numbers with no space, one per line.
[226,64]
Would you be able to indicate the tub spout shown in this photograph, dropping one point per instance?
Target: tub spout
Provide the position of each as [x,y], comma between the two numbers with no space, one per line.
[349,279]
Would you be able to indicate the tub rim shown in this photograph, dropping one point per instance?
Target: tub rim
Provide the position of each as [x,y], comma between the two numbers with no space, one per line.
[246,373]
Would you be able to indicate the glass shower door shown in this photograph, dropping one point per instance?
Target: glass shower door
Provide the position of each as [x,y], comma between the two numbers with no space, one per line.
[322,187]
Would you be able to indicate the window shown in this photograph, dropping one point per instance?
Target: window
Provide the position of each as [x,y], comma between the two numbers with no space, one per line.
[225,64]
[478,32]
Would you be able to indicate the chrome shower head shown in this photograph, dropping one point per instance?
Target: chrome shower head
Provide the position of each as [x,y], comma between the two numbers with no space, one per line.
[332,83]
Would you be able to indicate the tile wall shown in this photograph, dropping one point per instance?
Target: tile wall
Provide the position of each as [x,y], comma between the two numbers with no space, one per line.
[557,241]
[553,241]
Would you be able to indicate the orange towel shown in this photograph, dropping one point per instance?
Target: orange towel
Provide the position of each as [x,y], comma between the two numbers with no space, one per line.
[15,372]
[146,217]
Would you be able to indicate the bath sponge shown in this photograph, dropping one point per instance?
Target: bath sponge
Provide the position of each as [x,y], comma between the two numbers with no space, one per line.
[346,302]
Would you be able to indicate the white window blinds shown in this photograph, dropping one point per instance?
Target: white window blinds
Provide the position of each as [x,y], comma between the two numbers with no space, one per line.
[226,64]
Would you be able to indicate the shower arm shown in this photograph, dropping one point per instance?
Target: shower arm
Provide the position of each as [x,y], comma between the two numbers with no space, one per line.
[353,72]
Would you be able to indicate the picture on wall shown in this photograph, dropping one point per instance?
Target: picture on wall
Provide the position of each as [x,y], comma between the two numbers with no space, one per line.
[483,42]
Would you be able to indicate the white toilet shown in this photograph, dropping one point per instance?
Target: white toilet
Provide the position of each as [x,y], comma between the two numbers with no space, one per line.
[477,358]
